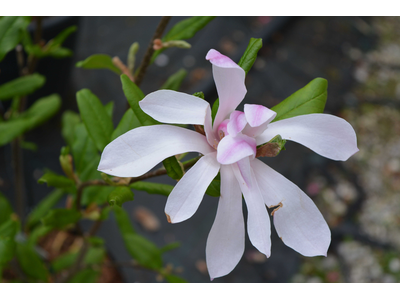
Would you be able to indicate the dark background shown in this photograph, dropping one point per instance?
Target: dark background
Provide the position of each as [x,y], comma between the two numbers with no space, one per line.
[358,58]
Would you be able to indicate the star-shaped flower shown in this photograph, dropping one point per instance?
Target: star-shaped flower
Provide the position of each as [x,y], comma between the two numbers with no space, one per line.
[229,146]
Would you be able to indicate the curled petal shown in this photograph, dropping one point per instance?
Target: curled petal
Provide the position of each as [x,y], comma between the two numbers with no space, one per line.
[229,80]
[232,149]
[237,122]
[327,135]
[225,243]
[257,115]
[186,196]
[174,107]
[258,223]
[297,221]
[139,150]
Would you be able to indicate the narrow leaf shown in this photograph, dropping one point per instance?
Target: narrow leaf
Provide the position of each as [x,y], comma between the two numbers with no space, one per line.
[308,100]
[214,188]
[120,195]
[85,276]
[5,209]
[152,188]
[250,55]
[21,86]
[174,81]
[174,168]
[129,121]
[61,217]
[133,94]
[58,181]
[68,122]
[43,207]
[31,263]
[7,249]
[98,123]
[98,61]
[171,278]
[11,32]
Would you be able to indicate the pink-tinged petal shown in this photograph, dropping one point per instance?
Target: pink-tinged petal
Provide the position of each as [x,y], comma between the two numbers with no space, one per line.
[232,149]
[174,107]
[223,129]
[229,81]
[297,221]
[237,122]
[258,223]
[225,243]
[327,135]
[257,115]
[186,196]
[139,150]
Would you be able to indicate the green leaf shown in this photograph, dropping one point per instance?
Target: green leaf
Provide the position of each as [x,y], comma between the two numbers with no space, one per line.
[11,32]
[184,30]
[94,115]
[250,55]
[214,188]
[10,228]
[171,278]
[133,94]
[214,109]
[94,255]
[69,120]
[128,122]
[174,168]
[123,221]
[152,188]
[58,181]
[38,232]
[62,36]
[43,207]
[21,86]
[7,249]
[308,100]
[143,251]
[84,151]
[5,209]
[30,262]
[120,195]
[174,81]
[38,113]
[98,61]
[61,217]
[170,247]
[85,276]
[96,194]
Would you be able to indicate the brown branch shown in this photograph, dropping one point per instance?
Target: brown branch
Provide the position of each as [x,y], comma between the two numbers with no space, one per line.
[150,50]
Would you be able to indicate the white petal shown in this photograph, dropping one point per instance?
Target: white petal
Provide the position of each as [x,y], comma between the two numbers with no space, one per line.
[229,80]
[258,118]
[174,107]
[327,135]
[137,151]
[225,243]
[298,222]
[258,224]
[186,196]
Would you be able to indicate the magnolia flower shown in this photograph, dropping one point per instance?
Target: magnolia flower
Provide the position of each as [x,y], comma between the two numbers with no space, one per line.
[229,146]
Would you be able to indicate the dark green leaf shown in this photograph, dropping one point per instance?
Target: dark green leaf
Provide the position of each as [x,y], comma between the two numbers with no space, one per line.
[250,55]
[214,109]
[21,86]
[171,278]
[43,207]
[129,121]
[38,232]
[98,61]
[214,188]
[58,181]
[68,122]
[5,209]
[10,228]
[96,194]
[133,94]
[143,251]
[199,94]
[86,276]
[174,81]
[174,168]
[308,100]
[94,115]
[31,263]
[120,195]
[7,249]
[11,32]
[152,188]
[170,247]
[61,217]
[84,151]
[184,30]
[123,221]
[94,255]
[62,36]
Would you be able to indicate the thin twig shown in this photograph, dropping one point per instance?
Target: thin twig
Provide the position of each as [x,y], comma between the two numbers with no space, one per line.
[150,50]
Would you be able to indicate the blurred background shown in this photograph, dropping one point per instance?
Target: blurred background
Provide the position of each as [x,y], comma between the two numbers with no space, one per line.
[359,198]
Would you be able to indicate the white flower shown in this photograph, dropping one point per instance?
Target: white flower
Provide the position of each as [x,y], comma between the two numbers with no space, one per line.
[229,147]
